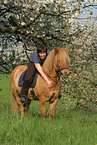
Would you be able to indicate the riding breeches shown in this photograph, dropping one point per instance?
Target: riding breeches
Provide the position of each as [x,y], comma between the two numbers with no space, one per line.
[28,79]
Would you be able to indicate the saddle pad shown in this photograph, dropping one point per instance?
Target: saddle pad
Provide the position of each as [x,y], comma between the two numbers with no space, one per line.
[21,80]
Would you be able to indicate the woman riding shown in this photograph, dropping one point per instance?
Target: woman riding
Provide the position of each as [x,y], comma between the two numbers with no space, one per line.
[36,61]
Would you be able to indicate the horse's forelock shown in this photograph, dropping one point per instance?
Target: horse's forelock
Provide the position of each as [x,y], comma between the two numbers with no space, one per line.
[61,56]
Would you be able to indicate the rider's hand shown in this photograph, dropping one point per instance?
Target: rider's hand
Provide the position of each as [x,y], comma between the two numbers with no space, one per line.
[50,83]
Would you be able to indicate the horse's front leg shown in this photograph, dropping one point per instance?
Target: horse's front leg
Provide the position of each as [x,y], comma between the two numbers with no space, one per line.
[43,107]
[52,108]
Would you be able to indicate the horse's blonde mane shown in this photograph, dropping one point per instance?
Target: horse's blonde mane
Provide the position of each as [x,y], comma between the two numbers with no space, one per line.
[48,64]
[57,55]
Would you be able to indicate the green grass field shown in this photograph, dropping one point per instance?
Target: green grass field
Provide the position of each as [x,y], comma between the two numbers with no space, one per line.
[69,127]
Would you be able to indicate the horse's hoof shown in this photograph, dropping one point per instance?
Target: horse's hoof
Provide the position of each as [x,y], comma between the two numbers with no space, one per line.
[23,99]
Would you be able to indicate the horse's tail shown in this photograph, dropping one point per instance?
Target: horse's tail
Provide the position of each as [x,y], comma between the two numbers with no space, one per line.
[15,89]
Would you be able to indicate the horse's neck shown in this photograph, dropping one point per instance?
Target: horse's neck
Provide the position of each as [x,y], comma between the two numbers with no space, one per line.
[48,66]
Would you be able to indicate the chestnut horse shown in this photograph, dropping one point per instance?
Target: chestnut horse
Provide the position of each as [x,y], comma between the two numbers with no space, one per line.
[54,65]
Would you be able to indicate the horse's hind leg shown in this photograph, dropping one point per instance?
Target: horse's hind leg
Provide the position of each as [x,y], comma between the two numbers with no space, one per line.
[14,105]
[52,108]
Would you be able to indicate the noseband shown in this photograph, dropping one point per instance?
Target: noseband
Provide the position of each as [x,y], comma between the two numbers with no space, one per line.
[64,68]
[58,70]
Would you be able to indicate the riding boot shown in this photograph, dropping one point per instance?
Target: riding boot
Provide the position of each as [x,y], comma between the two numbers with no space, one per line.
[27,80]
[24,92]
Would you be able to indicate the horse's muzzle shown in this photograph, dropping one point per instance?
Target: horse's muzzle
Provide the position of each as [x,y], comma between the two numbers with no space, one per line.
[66,73]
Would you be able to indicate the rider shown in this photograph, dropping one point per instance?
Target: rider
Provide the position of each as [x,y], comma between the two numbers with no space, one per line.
[36,61]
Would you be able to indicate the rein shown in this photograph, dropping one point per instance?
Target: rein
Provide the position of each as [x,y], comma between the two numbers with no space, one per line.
[58,71]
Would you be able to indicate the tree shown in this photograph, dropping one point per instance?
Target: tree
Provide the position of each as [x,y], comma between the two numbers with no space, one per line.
[34,22]
[54,24]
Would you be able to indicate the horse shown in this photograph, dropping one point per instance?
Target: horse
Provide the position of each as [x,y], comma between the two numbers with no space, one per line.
[54,66]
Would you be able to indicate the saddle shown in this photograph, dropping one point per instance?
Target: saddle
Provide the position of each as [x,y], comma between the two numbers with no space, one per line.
[32,85]
[21,80]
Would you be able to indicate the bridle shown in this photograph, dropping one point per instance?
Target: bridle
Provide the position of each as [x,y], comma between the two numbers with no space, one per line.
[58,72]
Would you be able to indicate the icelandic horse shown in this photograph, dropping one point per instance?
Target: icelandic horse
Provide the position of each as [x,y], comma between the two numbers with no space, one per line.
[54,65]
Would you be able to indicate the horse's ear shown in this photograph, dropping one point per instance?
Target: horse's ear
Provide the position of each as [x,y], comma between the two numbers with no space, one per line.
[56,50]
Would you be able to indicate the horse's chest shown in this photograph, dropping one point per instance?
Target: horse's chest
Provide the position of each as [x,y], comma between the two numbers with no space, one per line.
[54,93]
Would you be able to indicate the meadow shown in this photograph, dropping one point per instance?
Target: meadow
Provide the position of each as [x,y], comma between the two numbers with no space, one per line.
[69,127]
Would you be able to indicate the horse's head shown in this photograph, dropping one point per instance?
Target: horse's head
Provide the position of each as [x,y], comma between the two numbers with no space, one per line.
[61,60]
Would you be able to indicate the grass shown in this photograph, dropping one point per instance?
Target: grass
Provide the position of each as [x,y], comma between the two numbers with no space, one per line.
[69,127]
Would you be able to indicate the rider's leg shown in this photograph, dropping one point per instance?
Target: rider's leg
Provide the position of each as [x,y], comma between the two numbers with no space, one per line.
[27,80]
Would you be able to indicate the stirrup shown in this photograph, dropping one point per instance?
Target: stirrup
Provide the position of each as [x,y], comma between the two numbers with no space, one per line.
[23,99]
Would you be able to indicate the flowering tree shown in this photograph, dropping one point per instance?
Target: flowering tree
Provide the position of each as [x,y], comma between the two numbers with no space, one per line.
[55,23]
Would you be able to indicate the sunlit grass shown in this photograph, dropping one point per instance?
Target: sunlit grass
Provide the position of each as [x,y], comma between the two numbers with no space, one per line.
[69,127]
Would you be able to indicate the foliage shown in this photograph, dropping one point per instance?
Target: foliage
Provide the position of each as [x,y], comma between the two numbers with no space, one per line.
[81,86]
[53,23]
